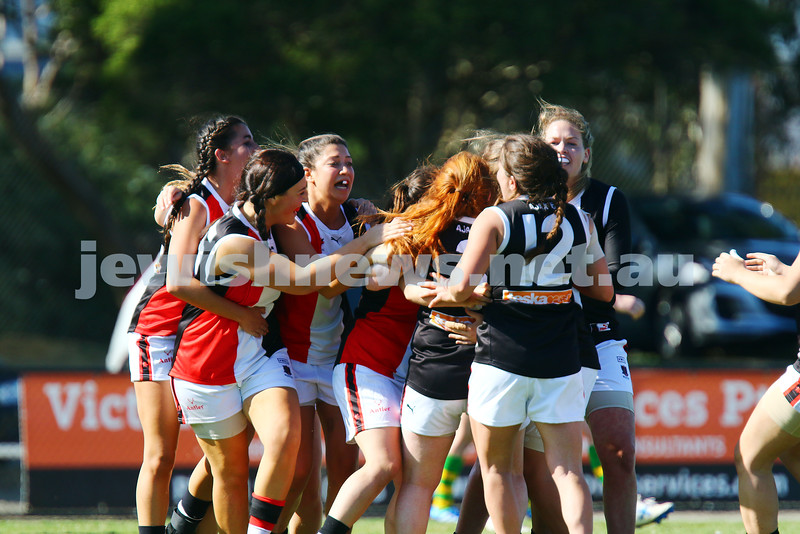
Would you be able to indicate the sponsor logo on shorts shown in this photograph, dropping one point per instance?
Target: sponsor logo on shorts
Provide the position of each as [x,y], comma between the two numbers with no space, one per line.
[192,406]
[380,407]
[624,371]
[411,408]
[539,297]
[622,359]
[164,360]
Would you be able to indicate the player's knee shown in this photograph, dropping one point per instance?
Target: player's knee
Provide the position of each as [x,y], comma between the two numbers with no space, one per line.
[160,463]
[618,455]
[385,470]
[737,457]
[747,463]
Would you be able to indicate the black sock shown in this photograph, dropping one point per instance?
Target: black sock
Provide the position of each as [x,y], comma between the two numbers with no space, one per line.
[187,515]
[193,507]
[151,530]
[264,512]
[333,526]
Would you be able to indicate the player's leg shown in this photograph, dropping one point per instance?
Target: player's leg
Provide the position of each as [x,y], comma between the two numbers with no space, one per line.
[307,518]
[423,458]
[303,465]
[613,436]
[160,428]
[762,441]
[341,458]
[274,413]
[545,502]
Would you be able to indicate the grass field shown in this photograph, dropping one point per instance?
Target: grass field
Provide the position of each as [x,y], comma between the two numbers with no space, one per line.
[688,523]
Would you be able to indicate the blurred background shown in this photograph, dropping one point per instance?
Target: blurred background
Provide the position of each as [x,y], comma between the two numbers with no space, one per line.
[694,104]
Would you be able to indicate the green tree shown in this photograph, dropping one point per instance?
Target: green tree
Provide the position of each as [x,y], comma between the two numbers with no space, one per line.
[401,82]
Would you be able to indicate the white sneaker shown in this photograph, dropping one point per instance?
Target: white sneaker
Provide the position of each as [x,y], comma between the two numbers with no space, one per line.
[444,515]
[651,511]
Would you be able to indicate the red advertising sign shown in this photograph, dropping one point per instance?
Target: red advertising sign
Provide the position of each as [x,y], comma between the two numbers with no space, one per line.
[694,417]
[89,421]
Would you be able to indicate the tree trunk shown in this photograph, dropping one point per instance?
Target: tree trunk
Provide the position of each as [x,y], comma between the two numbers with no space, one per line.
[725,154]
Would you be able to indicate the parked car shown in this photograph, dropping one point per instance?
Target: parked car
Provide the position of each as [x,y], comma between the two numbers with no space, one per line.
[676,238]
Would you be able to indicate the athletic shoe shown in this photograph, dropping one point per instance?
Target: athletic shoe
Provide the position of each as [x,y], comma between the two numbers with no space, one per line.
[444,515]
[180,523]
[651,511]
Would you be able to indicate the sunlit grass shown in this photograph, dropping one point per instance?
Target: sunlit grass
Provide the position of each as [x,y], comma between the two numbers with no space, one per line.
[675,524]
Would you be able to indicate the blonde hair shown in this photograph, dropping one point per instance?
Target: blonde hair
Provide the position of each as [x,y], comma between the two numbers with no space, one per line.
[550,113]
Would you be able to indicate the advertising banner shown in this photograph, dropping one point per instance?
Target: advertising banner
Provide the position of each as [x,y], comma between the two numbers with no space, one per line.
[687,426]
[694,416]
[84,420]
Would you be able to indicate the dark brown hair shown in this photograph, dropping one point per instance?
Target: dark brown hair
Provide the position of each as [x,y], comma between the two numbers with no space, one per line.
[218,132]
[538,173]
[269,173]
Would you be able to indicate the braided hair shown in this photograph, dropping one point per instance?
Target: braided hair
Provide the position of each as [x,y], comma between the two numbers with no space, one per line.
[218,132]
[534,165]
[269,173]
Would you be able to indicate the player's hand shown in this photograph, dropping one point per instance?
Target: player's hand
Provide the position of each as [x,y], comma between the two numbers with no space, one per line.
[168,196]
[381,233]
[767,264]
[253,322]
[465,333]
[726,267]
[629,305]
[363,206]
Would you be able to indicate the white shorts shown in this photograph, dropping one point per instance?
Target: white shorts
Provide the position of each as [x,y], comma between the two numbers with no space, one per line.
[313,382]
[533,439]
[782,401]
[366,399]
[614,374]
[150,358]
[204,404]
[430,417]
[499,398]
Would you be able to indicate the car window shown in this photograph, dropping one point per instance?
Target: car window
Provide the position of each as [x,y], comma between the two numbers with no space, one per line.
[680,219]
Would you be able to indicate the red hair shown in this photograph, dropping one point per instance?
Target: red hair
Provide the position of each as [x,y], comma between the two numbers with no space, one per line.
[462,187]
